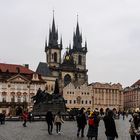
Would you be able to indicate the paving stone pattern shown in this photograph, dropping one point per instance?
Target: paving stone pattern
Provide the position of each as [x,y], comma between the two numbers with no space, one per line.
[38,131]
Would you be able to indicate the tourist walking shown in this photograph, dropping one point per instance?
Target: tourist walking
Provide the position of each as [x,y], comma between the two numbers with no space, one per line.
[25,118]
[93,123]
[110,127]
[50,120]
[58,122]
[81,122]
[134,127]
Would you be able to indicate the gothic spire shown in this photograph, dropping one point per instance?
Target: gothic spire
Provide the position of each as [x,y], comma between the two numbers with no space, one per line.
[53,35]
[53,24]
[77,38]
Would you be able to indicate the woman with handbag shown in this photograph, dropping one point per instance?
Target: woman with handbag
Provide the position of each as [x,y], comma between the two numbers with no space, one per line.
[134,127]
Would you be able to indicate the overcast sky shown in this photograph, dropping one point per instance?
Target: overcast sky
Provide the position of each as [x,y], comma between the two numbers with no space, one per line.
[111,28]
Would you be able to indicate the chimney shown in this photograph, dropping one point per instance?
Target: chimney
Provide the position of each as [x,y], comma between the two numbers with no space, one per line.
[26,66]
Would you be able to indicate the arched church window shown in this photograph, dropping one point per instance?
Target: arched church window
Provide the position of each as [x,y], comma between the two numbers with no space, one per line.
[79,59]
[67,79]
[55,57]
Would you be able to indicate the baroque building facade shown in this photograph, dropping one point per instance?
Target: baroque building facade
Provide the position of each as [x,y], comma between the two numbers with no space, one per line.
[107,95]
[17,85]
[94,96]
[69,68]
[132,97]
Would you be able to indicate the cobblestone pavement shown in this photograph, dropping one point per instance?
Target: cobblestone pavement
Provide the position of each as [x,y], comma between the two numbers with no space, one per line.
[38,131]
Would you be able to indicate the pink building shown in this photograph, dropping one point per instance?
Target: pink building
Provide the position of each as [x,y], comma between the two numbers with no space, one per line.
[132,97]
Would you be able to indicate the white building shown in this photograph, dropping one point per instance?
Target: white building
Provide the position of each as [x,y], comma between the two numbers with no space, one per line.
[17,85]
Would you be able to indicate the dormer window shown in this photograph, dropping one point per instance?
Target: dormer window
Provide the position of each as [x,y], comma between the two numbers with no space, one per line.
[35,76]
[17,69]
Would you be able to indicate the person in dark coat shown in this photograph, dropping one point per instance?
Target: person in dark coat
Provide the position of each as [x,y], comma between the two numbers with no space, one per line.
[81,122]
[50,120]
[110,126]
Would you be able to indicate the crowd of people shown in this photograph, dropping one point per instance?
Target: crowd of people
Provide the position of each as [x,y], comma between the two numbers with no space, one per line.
[91,119]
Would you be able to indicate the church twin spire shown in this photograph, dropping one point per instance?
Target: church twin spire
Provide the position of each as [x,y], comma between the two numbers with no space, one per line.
[77,39]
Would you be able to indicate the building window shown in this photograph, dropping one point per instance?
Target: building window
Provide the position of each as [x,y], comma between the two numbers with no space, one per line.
[66,101]
[51,88]
[55,57]
[82,101]
[74,101]
[18,99]
[70,101]
[24,98]
[78,100]
[68,92]
[13,99]
[79,59]
[89,102]
[3,99]
[86,102]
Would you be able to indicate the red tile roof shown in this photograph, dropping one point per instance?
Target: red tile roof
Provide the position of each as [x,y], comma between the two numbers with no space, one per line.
[136,83]
[13,68]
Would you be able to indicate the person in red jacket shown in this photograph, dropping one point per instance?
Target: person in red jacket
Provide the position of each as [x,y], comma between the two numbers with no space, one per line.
[25,118]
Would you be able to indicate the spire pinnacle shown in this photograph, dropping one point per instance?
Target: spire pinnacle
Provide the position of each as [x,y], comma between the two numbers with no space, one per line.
[53,13]
[77,27]
[77,18]
[53,23]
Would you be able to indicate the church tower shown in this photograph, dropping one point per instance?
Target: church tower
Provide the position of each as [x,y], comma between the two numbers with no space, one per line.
[79,52]
[79,55]
[69,69]
[53,48]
